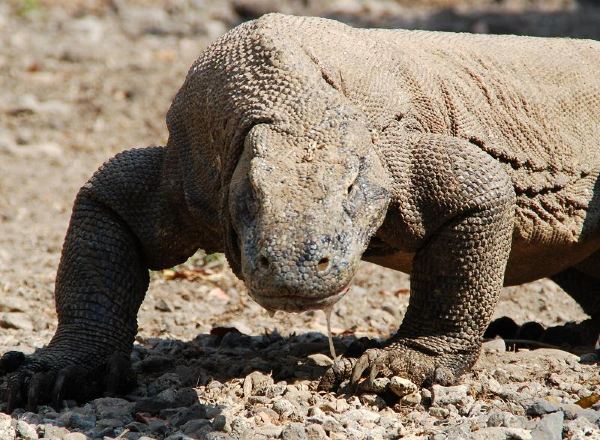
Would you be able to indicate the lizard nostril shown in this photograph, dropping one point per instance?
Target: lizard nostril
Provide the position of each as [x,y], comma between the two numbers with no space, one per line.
[323,264]
[263,262]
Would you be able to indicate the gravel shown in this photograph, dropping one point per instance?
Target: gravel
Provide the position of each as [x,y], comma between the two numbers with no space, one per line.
[80,81]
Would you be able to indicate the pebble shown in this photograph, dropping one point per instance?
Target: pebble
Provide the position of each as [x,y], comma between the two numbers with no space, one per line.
[26,431]
[497,433]
[440,413]
[16,320]
[220,423]
[7,431]
[294,431]
[113,408]
[82,421]
[169,398]
[284,408]
[550,427]
[494,346]
[321,360]
[54,432]
[256,383]
[401,386]
[316,432]
[505,419]
[454,395]
[540,407]
[412,399]
[80,436]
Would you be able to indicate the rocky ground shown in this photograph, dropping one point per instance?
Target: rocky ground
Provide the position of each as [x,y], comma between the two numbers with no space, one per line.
[81,80]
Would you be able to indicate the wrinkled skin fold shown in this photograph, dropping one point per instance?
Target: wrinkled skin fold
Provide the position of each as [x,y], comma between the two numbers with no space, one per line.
[468,161]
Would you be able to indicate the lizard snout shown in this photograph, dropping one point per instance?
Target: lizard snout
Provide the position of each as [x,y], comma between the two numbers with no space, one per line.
[287,274]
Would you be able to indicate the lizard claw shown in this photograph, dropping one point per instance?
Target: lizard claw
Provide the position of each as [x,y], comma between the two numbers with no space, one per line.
[11,360]
[394,360]
[35,380]
[40,389]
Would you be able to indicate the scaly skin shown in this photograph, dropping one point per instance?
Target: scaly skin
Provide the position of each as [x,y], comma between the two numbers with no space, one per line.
[299,146]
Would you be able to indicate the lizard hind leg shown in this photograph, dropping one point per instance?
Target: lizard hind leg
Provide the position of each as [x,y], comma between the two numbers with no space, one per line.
[584,287]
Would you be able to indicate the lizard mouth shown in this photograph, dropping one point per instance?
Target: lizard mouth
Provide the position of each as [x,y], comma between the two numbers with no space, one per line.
[294,303]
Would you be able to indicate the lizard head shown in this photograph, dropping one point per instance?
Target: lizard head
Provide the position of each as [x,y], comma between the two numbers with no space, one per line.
[303,207]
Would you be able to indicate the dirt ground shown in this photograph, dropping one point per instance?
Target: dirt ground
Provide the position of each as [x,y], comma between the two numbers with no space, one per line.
[82,80]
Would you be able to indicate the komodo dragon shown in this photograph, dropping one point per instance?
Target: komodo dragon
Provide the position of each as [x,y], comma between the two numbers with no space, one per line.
[299,146]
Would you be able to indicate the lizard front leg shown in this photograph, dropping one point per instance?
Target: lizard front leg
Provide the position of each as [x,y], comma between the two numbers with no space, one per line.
[128,218]
[464,206]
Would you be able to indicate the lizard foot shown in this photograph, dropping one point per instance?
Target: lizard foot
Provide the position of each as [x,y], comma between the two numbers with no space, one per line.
[394,360]
[42,378]
[571,334]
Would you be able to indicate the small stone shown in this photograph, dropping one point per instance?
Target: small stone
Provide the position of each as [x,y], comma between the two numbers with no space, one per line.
[401,386]
[7,431]
[220,423]
[155,363]
[316,432]
[196,411]
[79,436]
[158,426]
[137,427]
[26,431]
[540,407]
[195,426]
[321,360]
[163,306]
[167,380]
[572,411]
[269,430]
[284,408]
[54,432]
[114,408]
[550,427]
[256,383]
[362,415]
[412,399]
[16,320]
[425,396]
[454,395]
[294,431]
[440,413]
[498,433]
[373,400]
[82,421]
[13,304]
[169,398]
[506,419]
[494,346]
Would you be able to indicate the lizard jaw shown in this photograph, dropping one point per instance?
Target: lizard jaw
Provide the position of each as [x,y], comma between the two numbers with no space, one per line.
[293,303]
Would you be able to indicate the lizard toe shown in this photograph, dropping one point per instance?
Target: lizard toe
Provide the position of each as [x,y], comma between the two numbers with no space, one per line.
[11,360]
[336,374]
[16,385]
[51,377]
[40,388]
[71,383]
[120,377]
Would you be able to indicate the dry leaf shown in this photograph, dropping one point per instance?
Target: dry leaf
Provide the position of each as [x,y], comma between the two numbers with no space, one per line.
[588,401]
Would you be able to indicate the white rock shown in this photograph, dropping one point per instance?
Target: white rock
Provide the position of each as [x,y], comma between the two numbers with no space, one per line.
[401,386]
[497,433]
[494,346]
[7,431]
[455,395]
[16,320]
